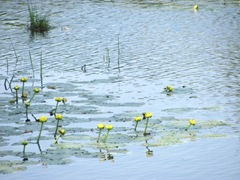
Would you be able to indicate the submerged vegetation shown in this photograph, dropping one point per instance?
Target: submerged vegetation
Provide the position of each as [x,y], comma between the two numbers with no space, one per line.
[38,23]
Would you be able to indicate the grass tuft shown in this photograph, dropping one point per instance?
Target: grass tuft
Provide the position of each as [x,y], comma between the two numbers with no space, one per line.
[38,23]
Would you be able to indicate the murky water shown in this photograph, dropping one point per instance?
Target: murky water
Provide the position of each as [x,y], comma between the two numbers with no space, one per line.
[112,60]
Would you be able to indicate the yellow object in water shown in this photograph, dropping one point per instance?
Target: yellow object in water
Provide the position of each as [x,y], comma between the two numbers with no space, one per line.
[195,7]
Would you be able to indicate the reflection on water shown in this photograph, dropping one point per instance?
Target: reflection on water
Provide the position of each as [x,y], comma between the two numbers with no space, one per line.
[115,57]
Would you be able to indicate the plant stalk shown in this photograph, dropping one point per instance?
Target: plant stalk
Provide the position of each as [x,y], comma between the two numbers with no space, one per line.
[105,138]
[100,130]
[145,130]
[40,132]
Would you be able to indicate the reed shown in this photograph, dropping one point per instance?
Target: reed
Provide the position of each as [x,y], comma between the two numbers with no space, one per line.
[118,54]
[30,57]
[41,71]
[38,23]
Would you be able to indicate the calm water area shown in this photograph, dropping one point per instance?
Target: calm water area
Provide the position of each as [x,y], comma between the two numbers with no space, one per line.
[112,60]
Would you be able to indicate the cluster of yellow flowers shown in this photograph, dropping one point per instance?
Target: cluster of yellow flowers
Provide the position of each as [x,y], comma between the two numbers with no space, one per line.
[102,126]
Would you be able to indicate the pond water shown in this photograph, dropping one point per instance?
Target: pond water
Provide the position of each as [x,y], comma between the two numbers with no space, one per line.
[112,61]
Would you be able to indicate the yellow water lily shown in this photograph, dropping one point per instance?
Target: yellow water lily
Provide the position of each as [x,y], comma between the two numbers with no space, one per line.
[16,88]
[58,99]
[195,7]
[146,116]
[36,90]
[169,88]
[62,133]
[24,142]
[27,104]
[137,119]
[43,119]
[24,79]
[192,122]
[109,128]
[101,126]
[59,117]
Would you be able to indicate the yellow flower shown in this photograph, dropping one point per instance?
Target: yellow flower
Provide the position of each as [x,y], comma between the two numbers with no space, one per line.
[36,90]
[16,88]
[59,117]
[64,100]
[25,95]
[148,115]
[195,7]
[62,132]
[24,79]
[169,88]
[58,99]
[138,118]
[27,104]
[24,143]
[109,127]
[100,126]
[43,119]
[192,122]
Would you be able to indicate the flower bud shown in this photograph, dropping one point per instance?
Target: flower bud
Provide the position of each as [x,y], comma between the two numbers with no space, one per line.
[148,115]
[58,99]
[62,132]
[43,119]
[36,90]
[109,127]
[138,118]
[27,104]
[16,88]
[64,100]
[100,126]
[24,143]
[24,79]
[59,117]
[192,122]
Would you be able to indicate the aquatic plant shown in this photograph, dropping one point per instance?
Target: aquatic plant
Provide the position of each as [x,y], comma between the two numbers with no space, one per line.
[137,119]
[109,128]
[23,80]
[58,117]
[54,111]
[16,88]
[24,143]
[36,91]
[38,23]
[27,104]
[62,133]
[168,88]
[146,116]
[192,122]
[100,127]
[42,119]
[195,7]
[64,100]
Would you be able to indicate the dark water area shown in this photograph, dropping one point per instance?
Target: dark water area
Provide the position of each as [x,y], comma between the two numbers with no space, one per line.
[112,60]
